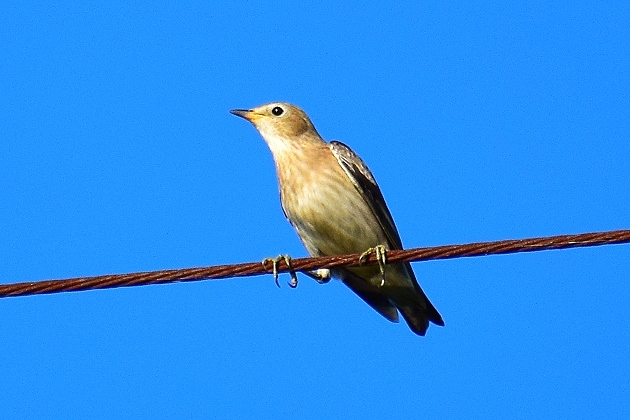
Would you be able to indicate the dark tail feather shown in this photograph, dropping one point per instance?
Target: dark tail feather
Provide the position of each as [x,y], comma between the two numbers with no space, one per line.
[370,294]
[419,314]
[416,308]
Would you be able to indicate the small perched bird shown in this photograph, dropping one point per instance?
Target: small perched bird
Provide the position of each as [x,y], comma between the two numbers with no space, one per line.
[332,200]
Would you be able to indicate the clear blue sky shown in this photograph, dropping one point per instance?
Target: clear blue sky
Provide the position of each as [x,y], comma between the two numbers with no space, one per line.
[480,122]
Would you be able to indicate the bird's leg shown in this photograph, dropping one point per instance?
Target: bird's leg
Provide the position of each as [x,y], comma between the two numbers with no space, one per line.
[321,276]
[381,257]
[274,261]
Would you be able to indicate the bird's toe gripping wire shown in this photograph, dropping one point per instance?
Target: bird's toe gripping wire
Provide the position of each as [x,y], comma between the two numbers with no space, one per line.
[274,264]
[381,256]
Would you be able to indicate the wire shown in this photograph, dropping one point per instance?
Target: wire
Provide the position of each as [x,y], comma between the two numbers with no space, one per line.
[308,264]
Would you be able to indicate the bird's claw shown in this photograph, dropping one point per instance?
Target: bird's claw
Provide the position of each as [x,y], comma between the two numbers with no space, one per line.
[274,264]
[381,257]
[294,280]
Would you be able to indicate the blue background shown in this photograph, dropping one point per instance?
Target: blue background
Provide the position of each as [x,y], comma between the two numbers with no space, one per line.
[481,122]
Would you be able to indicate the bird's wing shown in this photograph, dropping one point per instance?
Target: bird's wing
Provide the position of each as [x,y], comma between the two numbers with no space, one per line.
[417,309]
[366,185]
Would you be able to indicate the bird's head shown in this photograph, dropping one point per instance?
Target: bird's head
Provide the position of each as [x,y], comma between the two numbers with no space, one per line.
[279,120]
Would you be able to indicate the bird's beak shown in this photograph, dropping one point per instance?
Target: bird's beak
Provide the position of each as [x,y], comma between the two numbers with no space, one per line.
[248,114]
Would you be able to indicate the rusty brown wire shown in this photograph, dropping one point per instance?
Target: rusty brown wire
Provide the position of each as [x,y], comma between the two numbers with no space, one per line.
[306,264]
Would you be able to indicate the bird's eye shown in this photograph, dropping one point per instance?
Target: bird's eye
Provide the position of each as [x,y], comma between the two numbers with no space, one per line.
[277,111]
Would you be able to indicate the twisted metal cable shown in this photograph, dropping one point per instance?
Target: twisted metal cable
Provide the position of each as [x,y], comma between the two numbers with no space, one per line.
[308,264]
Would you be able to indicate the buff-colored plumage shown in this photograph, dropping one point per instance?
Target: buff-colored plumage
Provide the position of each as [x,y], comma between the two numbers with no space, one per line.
[332,200]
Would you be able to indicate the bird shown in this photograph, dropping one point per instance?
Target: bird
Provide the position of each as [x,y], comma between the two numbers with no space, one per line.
[332,200]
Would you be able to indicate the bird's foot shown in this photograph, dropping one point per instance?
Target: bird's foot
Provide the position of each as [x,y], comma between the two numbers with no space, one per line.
[381,257]
[274,264]
[321,276]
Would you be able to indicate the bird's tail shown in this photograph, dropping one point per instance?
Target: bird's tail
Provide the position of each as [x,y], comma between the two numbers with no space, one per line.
[414,305]
[419,314]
